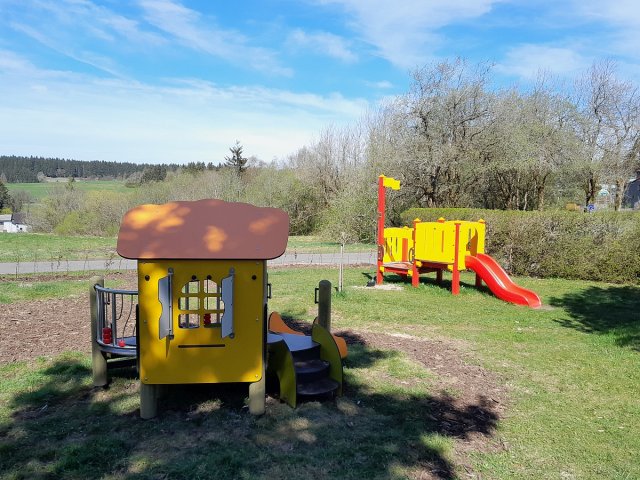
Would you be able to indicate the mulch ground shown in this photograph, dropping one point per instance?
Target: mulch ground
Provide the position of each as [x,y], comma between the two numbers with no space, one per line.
[470,415]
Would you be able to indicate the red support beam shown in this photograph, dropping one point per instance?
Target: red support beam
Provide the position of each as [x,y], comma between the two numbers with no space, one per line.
[455,279]
[381,207]
[415,278]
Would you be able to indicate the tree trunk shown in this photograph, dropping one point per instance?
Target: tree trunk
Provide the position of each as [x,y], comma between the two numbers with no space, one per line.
[540,196]
[590,191]
[620,186]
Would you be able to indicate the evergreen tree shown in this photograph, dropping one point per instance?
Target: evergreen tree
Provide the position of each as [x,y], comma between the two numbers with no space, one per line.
[236,160]
[154,173]
[5,198]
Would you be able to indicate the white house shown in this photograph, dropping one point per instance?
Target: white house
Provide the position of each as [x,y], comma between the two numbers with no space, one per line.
[4,218]
[16,224]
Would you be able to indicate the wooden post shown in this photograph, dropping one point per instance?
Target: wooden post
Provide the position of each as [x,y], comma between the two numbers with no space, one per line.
[341,270]
[98,360]
[324,304]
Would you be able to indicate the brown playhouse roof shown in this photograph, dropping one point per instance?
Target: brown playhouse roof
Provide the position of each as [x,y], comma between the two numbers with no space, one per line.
[204,229]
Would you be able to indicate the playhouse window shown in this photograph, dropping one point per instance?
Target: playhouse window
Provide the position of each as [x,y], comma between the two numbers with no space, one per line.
[191,287]
[189,303]
[189,320]
[210,286]
[200,304]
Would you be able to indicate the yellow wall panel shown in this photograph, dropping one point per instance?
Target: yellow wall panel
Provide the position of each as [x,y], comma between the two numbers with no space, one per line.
[201,355]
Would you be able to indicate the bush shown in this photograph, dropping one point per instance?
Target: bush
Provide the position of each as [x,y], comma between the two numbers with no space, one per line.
[602,246]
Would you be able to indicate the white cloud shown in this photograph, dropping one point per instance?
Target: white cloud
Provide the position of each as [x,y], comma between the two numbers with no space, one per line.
[621,21]
[405,33]
[71,28]
[194,31]
[324,43]
[65,114]
[101,62]
[528,60]
[382,85]
[91,19]
[620,12]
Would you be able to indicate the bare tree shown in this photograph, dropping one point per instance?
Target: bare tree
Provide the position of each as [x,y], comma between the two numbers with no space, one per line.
[446,112]
[609,128]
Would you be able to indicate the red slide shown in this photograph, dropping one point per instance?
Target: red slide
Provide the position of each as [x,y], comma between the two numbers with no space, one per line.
[499,281]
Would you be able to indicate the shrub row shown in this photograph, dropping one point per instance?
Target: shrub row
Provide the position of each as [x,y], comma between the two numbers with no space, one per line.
[602,246]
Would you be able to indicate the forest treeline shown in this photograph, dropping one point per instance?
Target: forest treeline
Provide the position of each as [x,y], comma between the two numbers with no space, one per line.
[20,169]
[454,139]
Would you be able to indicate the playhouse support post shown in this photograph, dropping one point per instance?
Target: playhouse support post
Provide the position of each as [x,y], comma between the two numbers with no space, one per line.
[148,400]
[478,281]
[381,207]
[415,276]
[324,304]
[257,393]
[455,278]
[98,361]
[439,275]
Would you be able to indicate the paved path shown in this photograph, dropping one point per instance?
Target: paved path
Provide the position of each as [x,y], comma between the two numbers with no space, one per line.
[359,258]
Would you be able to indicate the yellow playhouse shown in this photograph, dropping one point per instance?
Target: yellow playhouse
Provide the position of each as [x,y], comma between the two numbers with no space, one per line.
[203,288]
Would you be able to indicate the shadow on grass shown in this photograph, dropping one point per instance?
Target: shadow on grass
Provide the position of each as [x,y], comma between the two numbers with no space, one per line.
[605,310]
[61,427]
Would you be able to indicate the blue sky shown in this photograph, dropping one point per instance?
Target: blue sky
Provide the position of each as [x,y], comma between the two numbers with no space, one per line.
[179,81]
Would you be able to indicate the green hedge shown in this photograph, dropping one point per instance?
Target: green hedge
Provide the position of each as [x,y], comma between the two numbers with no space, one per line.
[602,246]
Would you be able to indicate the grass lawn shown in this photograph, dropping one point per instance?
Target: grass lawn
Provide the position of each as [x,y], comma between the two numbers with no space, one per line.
[36,287]
[313,244]
[41,190]
[41,247]
[571,371]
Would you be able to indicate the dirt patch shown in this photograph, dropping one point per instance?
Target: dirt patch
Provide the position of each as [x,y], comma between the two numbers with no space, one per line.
[46,328]
[384,287]
[468,400]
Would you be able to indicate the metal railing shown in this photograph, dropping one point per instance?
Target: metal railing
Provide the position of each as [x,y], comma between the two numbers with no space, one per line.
[116,315]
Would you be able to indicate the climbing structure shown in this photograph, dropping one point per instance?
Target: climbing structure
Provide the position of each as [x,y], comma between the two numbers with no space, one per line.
[439,246]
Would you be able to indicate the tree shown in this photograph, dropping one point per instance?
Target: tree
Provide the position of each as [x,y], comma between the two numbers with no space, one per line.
[445,115]
[154,173]
[195,168]
[236,160]
[19,199]
[5,198]
[609,128]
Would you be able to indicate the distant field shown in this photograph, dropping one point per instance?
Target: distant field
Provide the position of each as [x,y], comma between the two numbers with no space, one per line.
[41,190]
